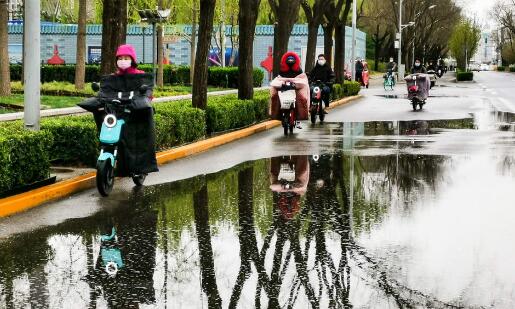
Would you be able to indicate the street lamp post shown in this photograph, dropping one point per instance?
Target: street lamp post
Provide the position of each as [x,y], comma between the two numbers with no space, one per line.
[400,68]
[353,56]
[154,17]
[31,64]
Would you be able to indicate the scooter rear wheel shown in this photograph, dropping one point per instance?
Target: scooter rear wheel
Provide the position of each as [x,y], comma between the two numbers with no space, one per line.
[105,177]
[313,115]
[414,103]
[139,180]
[286,123]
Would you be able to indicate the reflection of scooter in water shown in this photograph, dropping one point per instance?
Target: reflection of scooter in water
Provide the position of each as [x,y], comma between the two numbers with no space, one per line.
[124,269]
[289,176]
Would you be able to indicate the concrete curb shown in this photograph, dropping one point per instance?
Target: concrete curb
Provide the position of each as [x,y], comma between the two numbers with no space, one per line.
[25,201]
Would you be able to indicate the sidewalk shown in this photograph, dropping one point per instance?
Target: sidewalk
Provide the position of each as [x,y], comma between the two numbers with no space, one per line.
[77,110]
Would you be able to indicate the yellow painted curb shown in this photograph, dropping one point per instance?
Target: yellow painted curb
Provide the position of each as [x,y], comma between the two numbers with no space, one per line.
[24,201]
[27,200]
[344,101]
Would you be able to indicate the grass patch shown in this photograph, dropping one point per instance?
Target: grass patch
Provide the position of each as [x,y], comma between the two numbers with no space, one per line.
[47,102]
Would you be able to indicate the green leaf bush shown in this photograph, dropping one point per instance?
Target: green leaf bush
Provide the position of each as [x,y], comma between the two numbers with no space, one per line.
[464,76]
[501,68]
[172,75]
[24,156]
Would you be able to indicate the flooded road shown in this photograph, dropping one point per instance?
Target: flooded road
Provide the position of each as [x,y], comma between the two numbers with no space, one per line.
[390,214]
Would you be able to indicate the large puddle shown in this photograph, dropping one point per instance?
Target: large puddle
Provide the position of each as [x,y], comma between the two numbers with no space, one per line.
[330,231]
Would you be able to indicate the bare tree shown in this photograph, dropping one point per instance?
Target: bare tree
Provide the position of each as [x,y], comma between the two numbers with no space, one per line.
[286,13]
[5,79]
[247,19]
[80,63]
[207,12]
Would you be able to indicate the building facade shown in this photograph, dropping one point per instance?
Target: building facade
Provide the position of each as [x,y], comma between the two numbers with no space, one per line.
[176,39]
[15,9]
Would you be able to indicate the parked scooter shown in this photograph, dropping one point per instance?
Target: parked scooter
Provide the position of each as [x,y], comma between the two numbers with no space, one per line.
[317,102]
[418,89]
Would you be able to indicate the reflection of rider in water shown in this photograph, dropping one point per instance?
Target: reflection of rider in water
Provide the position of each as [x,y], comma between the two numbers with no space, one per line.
[289,176]
[125,265]
[417,127]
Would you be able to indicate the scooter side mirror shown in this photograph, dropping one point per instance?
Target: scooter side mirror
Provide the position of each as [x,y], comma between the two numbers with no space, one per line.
[95,87]
[143,89]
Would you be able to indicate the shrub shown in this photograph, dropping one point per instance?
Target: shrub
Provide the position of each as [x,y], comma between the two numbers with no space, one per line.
[351,88]
[512,68]
[261,103]
[337,92]
[226,113]
[464,76]
[75,139]
[172,75]
[178,123]
[501,68]
[23,156]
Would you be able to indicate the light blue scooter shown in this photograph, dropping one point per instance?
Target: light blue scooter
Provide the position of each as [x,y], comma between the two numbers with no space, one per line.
[110,135]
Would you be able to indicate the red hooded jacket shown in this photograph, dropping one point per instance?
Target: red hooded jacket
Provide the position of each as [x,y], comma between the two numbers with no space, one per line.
[128,50]
[285,70]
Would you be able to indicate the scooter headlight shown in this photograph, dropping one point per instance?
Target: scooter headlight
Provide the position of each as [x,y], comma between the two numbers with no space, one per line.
[110,121]
[414,77]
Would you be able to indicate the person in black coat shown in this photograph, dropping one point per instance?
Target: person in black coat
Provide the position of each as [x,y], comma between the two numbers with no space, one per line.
[418,67]
[359,71]
[324,73]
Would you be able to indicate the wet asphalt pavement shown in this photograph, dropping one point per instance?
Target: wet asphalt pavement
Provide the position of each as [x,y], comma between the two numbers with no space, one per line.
[380,207]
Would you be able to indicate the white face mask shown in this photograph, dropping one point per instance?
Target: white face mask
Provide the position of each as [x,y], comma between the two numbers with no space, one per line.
[321,62]
[124,64]
[391,60]
[417,64]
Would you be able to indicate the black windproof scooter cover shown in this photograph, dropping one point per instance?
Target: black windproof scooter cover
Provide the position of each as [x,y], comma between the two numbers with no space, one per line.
[137,150]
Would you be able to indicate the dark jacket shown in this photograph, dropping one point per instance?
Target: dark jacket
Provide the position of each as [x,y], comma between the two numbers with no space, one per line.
[323,73]
[287,71]
[392,66]
[420,69]
[359,66]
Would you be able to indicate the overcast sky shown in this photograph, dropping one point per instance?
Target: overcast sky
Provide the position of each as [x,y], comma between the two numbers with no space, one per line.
[478,8]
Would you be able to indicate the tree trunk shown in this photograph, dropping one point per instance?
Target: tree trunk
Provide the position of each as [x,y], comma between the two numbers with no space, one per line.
[286,13]
[339,45]
[199,93]
[339,52]
[160,51]
[193,51]
[328,43]
[205,249]
[247,18]
[114,31]
[312,46]
[376,49]
[5,78]
[80,63]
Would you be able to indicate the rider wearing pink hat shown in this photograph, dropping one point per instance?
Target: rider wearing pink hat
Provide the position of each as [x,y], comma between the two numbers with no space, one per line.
[126,60]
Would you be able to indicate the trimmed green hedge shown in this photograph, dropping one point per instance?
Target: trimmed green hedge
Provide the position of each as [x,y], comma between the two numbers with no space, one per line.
[220,77]
[24,156]
[178,123]
[346,89]
[501,68]
[512,69]
[464,76]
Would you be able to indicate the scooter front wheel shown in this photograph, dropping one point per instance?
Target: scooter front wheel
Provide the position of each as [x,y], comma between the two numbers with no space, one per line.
[139,179]
[105,177]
